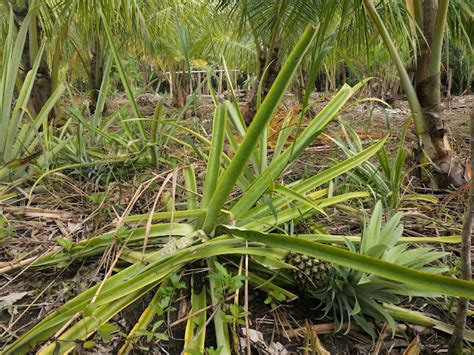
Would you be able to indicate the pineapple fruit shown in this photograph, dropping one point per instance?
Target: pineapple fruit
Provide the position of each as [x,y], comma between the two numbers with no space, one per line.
[310,273]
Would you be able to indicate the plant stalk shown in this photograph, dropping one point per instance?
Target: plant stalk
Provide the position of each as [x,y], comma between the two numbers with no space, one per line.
[405,82]
[438,35]
[456,342]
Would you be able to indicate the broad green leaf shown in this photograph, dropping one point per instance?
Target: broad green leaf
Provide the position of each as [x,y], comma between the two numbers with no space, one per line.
[11,62]
[293,195]
[372,231]
[227,181]
[297,212]
[191,187]
[214,162]
[88,326]
[312,183]
[166,215]
[195,334]
[422,280]
[96,245]
[315,127]
[414,317]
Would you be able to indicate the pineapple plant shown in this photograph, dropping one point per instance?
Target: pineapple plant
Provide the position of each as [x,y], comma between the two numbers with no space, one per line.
[348,295]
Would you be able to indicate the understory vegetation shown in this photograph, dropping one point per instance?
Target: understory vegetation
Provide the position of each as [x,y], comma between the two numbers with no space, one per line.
[225,177]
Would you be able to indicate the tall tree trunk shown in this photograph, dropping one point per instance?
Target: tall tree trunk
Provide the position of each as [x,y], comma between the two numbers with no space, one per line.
[448,169]
[435,152]
[268,64]
[96,75]
[270,67]
[179,87]
[146,71]
[272,70]
[42,87]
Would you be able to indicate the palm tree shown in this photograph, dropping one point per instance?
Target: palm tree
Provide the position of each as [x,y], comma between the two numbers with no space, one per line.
[269,21]
[430,17]
[127,22]
[42,88]
[76,23]
[274,27]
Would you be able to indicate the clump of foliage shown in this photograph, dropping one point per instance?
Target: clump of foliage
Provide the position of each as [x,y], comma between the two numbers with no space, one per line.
[347,294]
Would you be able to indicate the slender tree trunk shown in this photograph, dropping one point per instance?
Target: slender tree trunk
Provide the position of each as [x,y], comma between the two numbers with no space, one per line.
[55,66]
[448,168]
[456,343]
[449,84]
[272,70]
[96,75]
[300,86]
[271,67]
[146,71]
[42,86]
[268,65]
[178,87]
[435,152]
[250,107]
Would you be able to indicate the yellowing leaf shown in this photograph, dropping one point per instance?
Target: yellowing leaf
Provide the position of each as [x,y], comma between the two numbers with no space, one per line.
[414,348]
